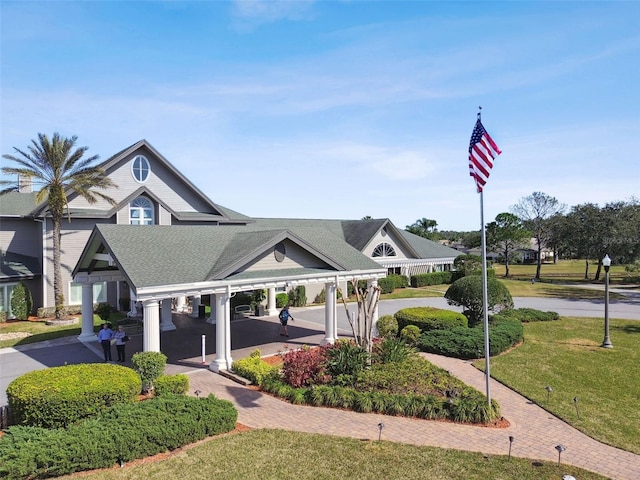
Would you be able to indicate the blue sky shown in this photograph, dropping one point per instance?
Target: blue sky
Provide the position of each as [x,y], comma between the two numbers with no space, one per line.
[339,109]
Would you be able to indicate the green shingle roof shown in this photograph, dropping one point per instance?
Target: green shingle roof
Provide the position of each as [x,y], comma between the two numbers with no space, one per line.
[17,204]
[154,255]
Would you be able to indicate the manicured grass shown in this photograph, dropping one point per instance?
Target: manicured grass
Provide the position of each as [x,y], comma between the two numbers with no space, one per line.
[562,270]
[566,355]
[41,332]
[276,454]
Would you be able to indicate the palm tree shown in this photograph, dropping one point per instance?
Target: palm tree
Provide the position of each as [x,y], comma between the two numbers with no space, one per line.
[57,166]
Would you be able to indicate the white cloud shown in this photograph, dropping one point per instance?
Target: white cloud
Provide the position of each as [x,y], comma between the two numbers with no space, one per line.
[248,14]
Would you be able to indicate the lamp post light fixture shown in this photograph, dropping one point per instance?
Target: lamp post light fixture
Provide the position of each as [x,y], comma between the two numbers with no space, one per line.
[560,448]
[511,439]
[549,390]
[606,263]
[380,427]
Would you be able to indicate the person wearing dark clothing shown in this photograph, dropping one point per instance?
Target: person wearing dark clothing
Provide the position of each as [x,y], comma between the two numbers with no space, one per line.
[284,317]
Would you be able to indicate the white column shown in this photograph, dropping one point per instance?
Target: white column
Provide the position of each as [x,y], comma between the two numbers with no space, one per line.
[195,304]
[180,302]
[151,322]
[330,313]
[222,309]
[87,312]
[213,316]
[271,302]
[167,316]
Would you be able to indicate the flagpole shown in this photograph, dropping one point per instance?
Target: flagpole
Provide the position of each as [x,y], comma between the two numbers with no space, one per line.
[485,302]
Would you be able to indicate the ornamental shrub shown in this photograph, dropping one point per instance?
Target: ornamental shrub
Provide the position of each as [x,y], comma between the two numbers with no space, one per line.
[253,368]
[387,326]
[345,359]
[282,299]
[467,292]
[410,334]
[320,297]
[177,384]
[149,365]
[298,296]
[104,311]
[429,318]
[58,396]
[21,302]
[305,367]
[124,432]
[386,285]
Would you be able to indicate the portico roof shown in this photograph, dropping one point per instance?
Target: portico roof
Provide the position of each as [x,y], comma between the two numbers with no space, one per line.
[156,258]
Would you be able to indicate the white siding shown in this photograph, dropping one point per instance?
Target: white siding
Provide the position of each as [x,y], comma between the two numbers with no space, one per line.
[296,257]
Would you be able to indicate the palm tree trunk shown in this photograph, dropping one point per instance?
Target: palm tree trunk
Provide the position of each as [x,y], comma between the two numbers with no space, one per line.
[57,270]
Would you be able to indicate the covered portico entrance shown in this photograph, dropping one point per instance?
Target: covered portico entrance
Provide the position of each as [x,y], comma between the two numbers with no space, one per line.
[112,256]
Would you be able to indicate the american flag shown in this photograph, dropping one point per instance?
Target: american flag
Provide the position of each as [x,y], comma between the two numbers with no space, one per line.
[482,151]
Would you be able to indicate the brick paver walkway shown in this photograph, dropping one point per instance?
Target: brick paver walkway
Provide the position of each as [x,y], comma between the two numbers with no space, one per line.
[536,431]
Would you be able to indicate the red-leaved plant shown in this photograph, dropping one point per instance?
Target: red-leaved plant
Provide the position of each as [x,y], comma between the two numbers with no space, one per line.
[305,367]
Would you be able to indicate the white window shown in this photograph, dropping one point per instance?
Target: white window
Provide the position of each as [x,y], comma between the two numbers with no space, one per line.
[384,250]
[99,293]
[140,169]
[5,298]
[141,212]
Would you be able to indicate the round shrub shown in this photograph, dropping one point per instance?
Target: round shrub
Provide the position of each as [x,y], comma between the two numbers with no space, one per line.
[410,334]
[467,293]
[430,318]
[149,365]
[58,396]
[252,368]
[387,326]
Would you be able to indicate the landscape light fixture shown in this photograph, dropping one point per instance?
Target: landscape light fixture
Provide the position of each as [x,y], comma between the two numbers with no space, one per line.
[561,448]
[575,402]
[380,427]
[511,439]
[197,392]
[549,390]
[606,263]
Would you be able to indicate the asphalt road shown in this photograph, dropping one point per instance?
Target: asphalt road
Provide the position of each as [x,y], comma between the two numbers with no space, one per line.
[17,361]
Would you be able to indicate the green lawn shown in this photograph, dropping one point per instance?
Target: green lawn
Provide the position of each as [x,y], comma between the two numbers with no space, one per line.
[41,332]
[566,355]
[562,270]
[276,454]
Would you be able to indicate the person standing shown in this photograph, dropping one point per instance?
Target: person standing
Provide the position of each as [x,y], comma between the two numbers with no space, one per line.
[121,337]
[284,317]
[104,337]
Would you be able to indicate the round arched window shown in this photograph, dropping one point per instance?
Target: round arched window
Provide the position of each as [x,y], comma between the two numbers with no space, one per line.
[141,212]
[384,250]
[140,168]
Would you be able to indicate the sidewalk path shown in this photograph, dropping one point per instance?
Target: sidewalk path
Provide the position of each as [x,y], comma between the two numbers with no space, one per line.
[536,431]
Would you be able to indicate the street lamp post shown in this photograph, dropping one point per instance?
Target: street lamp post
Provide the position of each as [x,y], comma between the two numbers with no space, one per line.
[606,262]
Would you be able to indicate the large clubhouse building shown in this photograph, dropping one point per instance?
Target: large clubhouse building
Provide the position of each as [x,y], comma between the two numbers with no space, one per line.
[166,242]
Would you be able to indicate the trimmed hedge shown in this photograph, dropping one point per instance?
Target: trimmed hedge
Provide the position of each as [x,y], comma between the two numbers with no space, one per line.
[530,315]
[387,326]
[253,368]
[58,396]
[466,343]
[177,384]
[433,278]
[429,318]
[121,433]
[282,299]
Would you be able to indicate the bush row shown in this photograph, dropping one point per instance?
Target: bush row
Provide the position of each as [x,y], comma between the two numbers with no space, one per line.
[434,278]
[471,408]
[56,397]
[121,433]
[430,318]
